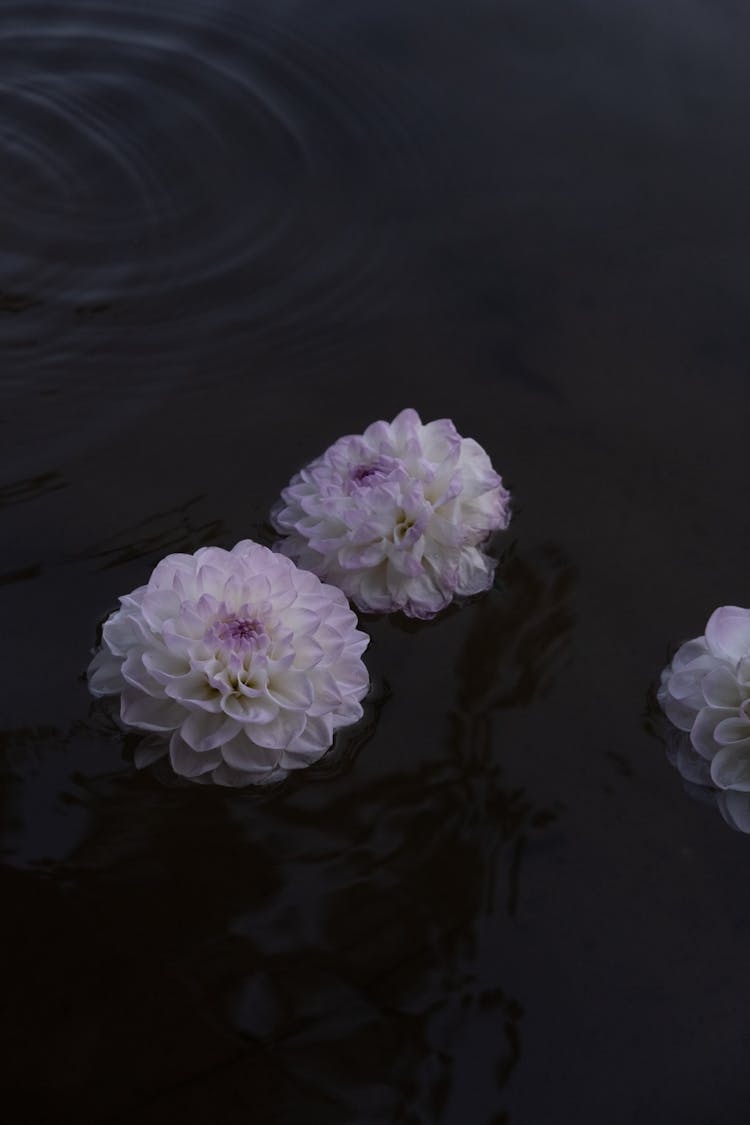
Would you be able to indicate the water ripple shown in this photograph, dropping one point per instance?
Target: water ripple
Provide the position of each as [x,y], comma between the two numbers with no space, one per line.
[153,151]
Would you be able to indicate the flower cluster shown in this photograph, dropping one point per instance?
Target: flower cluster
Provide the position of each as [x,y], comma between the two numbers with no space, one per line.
[397,517]
[706,691]
[248,664]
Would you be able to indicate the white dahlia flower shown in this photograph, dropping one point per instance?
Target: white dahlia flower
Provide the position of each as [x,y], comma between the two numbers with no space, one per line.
[396,517]
[706,691]
[248,663]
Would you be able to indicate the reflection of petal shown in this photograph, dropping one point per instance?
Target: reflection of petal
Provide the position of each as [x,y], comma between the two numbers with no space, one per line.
[735,808]
[689,764]
[679,713]
[148,751]
[188,762]
[730,768]
[516,633]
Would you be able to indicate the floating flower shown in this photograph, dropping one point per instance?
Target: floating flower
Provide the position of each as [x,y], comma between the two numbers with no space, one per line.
[706,691]
[396,517]
[248,663]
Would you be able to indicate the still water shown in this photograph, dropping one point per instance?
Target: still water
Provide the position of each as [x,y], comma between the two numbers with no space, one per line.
[231,232]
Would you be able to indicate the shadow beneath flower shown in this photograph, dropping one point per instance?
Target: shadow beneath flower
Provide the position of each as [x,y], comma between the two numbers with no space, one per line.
[519,632]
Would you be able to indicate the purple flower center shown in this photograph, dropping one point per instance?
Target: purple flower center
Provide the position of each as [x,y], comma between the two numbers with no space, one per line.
[239,633]
[366,473]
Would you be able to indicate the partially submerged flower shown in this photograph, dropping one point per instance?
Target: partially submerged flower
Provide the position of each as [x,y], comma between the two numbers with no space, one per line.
[733,804]
[705,691]
[397,517]
[246,663]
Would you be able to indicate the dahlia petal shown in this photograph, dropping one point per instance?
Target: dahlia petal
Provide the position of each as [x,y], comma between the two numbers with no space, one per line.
[279,733]
[243,754]
[476,572]
[315,737]
[728,632]
[189,762]
[104,674]
[147,713]
[689,680]
[123,630]
[135,673]
[734,729]
[679,713]
[158,606]
[205,731]
[246,709]
[690,651]
[291,689]
[194,691]
[702,734]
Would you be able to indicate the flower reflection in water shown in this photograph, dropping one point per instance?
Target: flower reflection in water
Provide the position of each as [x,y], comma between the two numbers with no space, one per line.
[406,909]
[694,770]
[705,694]
[313,948]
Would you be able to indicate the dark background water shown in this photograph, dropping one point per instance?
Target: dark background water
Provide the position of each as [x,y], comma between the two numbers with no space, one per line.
[232,232]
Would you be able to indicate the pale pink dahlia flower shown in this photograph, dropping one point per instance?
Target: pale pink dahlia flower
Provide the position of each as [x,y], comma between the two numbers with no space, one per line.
[397,517]
[706,691]
[246,663]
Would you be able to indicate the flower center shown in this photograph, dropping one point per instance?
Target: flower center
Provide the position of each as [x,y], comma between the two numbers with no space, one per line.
[367,472]
[240,634]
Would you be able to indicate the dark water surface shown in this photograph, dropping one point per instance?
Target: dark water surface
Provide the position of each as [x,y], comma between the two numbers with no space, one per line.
[232,232]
